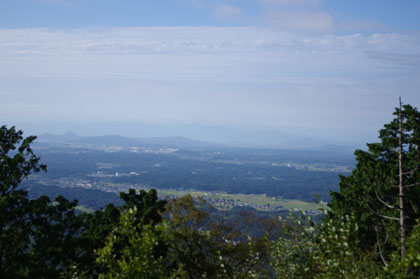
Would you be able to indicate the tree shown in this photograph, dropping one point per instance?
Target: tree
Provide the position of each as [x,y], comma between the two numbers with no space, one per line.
[204,247]
[17,162]
[98,226]
[37,237]
[148,205]
[409,265]
[326,250]
[54,235]
[381,192]
[135,257]
[16,165]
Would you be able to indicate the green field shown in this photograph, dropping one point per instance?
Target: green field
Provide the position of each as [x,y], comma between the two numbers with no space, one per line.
[245,199]
[84,209]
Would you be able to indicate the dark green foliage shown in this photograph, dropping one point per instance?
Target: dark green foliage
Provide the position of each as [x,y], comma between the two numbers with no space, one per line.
[135,257]
[89,198]
[44,239]
[95,228]
[17,161]
[374,183]
[54,236]
[98,226]
[14,234]
[409,266]
[37,237]
[328,250]
[193,245]
[147,204]
[200,247]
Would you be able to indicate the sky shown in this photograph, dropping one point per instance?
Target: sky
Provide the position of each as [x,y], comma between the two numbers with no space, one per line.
[322,69]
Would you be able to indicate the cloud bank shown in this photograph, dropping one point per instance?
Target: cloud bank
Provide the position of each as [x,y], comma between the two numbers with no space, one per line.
[341,86]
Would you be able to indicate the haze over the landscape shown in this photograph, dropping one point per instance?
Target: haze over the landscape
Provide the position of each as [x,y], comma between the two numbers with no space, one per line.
[252,70]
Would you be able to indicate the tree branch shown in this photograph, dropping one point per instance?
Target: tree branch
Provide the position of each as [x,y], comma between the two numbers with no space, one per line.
[379,246]
[412,205]
[411,185]
[412,171]
[383,216]
[383,202]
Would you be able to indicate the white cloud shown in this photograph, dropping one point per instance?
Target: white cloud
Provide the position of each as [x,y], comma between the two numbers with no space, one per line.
[214,75]
[195,41]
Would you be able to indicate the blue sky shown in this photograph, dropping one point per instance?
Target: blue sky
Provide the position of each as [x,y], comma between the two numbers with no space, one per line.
[392,14]
[326,69]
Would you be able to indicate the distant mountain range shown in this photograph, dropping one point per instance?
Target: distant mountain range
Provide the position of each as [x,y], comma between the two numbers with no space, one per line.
[68,136]
[221,135]
[117,140]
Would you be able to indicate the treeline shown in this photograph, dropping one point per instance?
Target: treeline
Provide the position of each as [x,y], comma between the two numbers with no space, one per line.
[88,198]
[371,230]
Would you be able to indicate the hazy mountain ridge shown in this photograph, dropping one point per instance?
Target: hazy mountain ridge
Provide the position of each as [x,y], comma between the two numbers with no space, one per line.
[117,140]
[179,141]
